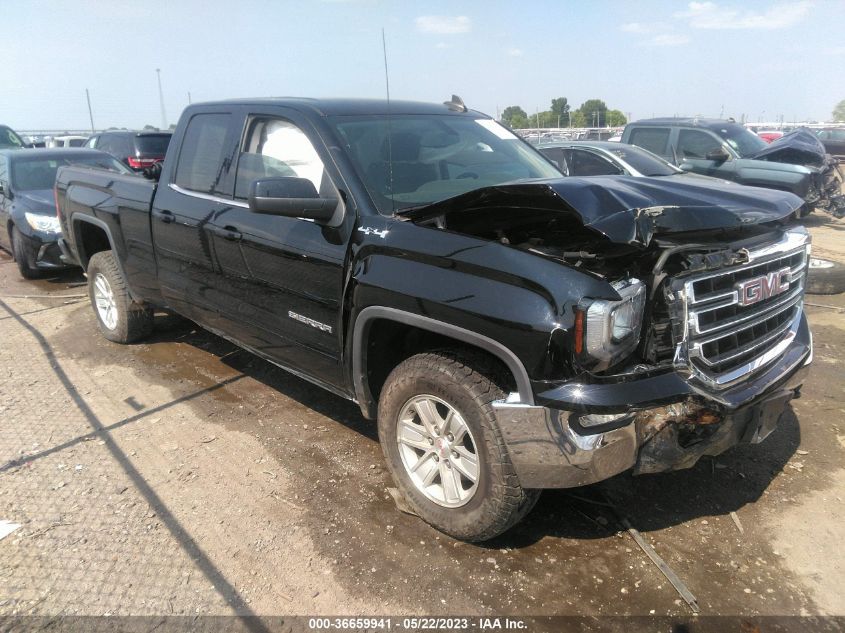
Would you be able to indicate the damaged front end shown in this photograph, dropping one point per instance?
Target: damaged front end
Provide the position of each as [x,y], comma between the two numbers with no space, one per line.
[697,345]
[802,147]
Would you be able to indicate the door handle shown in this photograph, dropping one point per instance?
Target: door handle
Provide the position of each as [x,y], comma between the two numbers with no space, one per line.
[228,233]
[166,216]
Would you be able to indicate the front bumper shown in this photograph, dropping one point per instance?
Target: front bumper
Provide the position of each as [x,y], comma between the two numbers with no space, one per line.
[49,256]
[672,424]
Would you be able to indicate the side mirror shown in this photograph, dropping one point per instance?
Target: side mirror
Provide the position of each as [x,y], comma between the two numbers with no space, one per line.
[153,172]
[718,155]
[290,197]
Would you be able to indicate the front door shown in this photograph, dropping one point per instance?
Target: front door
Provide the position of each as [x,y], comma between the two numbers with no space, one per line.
[693,148]
[281,278]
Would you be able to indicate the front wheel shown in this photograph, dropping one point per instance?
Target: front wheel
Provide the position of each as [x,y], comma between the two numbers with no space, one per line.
[25,251]
[120,318]
[443,446]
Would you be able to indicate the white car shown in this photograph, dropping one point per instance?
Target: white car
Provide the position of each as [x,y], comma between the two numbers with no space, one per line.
[69,140]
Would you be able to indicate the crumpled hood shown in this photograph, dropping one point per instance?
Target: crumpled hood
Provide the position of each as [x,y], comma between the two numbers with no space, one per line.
[37,201]
[800,147]
[630,210]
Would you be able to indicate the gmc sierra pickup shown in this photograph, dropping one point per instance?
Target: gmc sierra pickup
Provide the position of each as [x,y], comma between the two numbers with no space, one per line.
[509,328]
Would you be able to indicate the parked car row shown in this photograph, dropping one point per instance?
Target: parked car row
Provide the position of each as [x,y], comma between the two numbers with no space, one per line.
[137,150]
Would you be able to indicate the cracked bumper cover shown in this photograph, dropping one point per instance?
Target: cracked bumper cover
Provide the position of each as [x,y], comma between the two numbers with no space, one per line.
[672,424]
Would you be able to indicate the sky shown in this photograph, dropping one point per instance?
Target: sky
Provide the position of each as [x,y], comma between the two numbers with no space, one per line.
[759,58]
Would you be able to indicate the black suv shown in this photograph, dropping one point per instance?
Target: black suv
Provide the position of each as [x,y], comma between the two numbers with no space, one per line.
[137,150]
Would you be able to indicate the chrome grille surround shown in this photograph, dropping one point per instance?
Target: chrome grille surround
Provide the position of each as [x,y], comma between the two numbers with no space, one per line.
[721,340]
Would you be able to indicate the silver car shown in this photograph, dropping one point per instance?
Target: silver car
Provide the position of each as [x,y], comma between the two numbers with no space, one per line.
[606,158]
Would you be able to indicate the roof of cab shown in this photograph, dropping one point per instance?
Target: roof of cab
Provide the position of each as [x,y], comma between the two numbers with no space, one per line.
[685,121]
[348,107]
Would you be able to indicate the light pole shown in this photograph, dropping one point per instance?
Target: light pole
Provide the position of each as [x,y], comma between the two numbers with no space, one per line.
[161,101]
[90,112]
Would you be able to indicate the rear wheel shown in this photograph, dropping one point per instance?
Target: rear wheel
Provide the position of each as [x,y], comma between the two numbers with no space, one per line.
[120,318]
[25,253]
[443,446]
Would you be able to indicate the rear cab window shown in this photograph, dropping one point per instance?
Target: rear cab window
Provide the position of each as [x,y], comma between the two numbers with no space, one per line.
[201,166]
[152,144]
[654,139]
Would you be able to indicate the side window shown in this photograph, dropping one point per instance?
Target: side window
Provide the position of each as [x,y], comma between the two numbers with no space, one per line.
[654,139]
[556,154]
[106,144]
[274,148]
[585,163]
[201,165]
[92,142]
[124,147]
[696,144]
[4,175]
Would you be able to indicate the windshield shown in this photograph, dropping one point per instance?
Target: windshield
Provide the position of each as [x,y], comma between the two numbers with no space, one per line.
[8,138]
[155,144]
[434,157]
[743,141]
[644,161]
[37,172]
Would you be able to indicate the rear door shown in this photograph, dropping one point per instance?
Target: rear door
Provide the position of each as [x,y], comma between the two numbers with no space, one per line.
[199,186]
[281,279]
[654,139]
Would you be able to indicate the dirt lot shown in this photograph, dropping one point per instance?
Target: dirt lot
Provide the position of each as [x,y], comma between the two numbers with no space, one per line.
[185,476]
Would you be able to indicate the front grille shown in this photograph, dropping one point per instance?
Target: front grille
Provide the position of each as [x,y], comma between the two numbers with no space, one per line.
[725,339]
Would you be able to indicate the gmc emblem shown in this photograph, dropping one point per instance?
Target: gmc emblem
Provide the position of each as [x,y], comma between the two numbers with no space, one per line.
[760,288]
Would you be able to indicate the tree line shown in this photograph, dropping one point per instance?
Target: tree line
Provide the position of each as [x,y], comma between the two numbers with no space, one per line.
[592,113]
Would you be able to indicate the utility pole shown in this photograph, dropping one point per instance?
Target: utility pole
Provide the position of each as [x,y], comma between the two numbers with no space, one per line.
[90,113]
[161,101]
[189,97]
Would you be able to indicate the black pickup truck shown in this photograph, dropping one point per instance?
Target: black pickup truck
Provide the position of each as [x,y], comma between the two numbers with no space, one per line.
[509,328]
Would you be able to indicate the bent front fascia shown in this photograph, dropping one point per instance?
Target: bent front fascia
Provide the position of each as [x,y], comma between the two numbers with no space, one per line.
[549,449]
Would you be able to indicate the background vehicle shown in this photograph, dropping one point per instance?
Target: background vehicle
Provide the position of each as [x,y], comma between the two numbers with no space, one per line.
[9,139]
[833,140]
[69,140]
[29,228]
[137,150]
[608,158]
[724,149]
[509,328]
[769,135]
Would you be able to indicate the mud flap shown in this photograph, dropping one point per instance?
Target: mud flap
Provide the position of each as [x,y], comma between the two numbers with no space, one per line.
[766,417]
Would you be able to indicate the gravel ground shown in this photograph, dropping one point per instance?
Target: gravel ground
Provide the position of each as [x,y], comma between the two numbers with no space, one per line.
[185,476]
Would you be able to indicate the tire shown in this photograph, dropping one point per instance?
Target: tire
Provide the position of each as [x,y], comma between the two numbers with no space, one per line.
[24,252]
[119,317]
[467,384]
[825,277]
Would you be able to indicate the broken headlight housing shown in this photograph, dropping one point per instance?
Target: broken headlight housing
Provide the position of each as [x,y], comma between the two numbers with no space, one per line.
[608,331]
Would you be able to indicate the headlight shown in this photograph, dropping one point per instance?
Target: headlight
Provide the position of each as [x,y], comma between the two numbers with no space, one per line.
[610,330]
[43,223]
